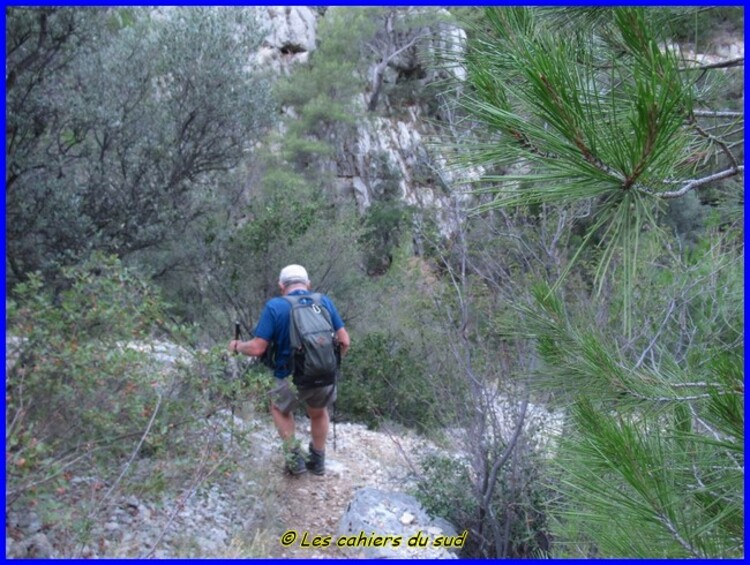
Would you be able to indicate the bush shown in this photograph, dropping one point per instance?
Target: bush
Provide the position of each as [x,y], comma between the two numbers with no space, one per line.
[385,380]
[77,376]
[445,490]
[228,380]
[513,524]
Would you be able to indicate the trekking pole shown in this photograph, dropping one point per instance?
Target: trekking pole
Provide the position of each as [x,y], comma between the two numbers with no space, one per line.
[336,391]
[235,378]
[334,425]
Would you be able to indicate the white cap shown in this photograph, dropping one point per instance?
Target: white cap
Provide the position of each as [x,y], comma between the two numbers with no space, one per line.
[293,274]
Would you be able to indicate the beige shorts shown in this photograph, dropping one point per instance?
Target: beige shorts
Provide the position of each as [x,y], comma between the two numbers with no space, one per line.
[287,399]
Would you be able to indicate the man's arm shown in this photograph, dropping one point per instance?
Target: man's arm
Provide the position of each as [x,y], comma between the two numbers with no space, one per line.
[254,348]
[343,338]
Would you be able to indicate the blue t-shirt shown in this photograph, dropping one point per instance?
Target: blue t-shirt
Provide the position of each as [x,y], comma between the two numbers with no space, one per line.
[273,326]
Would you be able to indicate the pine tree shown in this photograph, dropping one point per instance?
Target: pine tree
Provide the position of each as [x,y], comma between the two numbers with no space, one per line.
[595,109]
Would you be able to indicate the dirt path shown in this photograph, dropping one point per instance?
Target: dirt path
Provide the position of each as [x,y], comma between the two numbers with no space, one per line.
[313,505]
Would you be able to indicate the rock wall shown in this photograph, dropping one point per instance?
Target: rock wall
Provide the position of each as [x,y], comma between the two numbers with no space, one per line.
[401,140]
[290,39]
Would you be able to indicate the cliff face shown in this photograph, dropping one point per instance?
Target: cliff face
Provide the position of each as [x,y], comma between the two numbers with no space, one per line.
[291,35]
[398,135]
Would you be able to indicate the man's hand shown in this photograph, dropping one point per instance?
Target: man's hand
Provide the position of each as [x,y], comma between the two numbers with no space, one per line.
[235,346]
[342,336]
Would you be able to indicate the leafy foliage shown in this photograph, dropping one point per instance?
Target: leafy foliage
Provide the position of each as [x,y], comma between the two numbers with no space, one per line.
[386,218]
[385,380]
[77,379]
[117,146]
[521,529]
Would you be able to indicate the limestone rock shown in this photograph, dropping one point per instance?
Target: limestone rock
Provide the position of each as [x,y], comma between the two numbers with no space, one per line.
[393,525]
[34,547]
[291,35]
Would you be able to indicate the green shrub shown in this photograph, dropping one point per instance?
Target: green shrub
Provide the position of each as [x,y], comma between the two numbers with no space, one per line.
[512,524]
[384,379]
[227,380]
[445,490]
[79,376]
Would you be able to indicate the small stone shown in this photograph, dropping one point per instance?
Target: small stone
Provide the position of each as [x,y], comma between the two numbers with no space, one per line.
[407,518]
[87,552]
[35,547]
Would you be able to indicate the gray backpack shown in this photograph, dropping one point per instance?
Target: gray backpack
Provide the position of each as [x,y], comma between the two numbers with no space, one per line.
[314,358]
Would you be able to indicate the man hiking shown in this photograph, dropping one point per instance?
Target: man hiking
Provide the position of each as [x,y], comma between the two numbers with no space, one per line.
[308,362]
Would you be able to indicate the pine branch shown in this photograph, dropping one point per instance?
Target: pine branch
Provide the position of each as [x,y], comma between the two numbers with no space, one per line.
[712,138]
[713,114]
[678,398]
[697,183]
[667,523]
[738,62]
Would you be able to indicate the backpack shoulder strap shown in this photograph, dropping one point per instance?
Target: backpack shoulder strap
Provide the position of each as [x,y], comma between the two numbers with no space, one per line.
[293,335]
[317,299]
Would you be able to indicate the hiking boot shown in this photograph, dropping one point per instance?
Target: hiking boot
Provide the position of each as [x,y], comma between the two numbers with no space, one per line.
[316,461]
[295,462]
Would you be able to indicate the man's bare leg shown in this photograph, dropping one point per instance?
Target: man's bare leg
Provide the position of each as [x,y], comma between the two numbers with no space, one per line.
[318,427]
[284,423]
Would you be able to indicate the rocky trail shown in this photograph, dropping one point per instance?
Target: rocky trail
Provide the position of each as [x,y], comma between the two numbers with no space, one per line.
[314,505]
[246,509]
